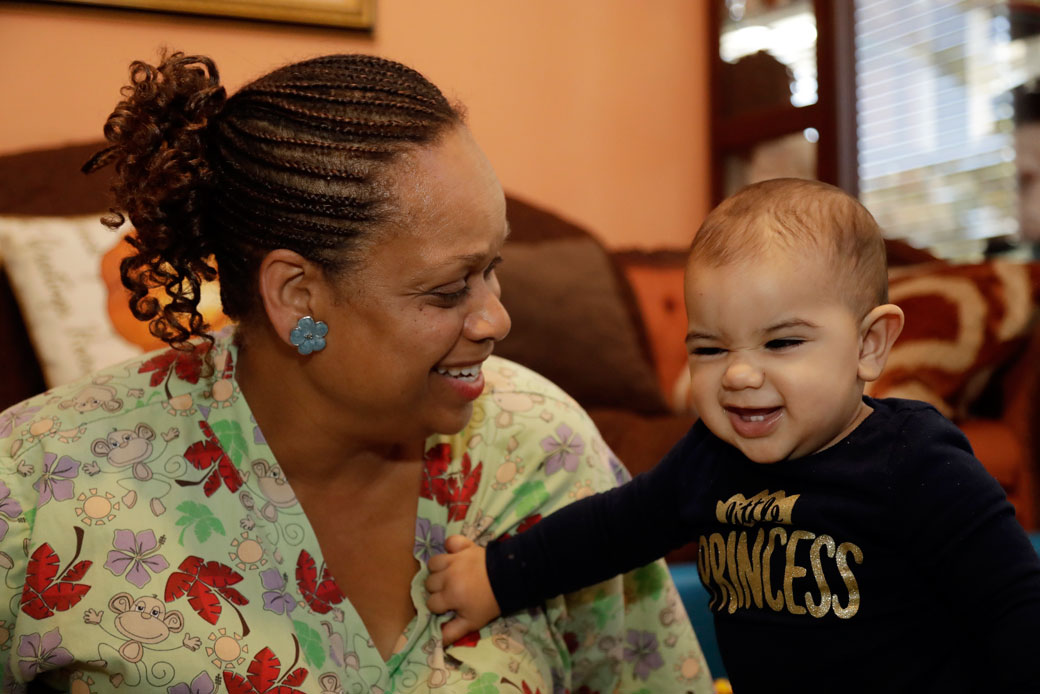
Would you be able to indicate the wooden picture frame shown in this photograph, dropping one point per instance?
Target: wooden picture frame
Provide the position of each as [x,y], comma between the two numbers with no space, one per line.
[350,14]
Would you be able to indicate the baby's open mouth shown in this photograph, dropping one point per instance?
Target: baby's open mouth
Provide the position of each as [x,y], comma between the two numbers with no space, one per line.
[753,414]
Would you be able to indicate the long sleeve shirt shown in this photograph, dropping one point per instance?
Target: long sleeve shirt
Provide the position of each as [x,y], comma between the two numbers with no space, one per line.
[890,561]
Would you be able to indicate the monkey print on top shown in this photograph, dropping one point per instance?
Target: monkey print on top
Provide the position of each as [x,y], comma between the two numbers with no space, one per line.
[149,541]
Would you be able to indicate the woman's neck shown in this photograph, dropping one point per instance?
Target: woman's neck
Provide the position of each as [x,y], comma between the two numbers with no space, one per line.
[309,439]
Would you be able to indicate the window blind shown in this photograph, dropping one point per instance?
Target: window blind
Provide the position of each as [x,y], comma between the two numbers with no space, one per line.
[934,119]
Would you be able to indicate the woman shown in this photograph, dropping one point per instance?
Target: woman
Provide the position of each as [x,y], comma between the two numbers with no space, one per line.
[352,421]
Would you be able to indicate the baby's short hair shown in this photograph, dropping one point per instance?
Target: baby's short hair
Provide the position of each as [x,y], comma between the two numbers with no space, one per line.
[798,214]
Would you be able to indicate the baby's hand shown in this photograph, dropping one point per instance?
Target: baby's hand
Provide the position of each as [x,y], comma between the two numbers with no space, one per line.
[458,581]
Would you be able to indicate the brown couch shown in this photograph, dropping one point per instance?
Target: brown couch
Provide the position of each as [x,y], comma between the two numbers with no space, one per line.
[609,327]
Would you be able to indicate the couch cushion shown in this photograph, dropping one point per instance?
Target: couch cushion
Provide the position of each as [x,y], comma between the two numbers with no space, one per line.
[574,316]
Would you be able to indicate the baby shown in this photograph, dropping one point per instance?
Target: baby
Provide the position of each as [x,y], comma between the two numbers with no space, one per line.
[848,543]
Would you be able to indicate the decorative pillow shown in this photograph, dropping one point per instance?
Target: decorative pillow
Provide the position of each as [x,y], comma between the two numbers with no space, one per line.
[64,272]
[575,319]
[963,322]
[571,325]
[657,280]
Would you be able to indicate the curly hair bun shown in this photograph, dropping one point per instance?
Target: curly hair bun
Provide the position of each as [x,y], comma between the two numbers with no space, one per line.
[297,159]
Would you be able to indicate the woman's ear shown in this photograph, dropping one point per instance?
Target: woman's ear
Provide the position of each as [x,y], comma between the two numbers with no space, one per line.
[879,330]
[288,285]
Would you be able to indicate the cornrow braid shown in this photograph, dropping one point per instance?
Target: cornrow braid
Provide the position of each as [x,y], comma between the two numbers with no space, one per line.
[298,159]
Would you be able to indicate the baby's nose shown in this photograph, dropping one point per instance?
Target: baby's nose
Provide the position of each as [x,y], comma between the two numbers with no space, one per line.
[742,374]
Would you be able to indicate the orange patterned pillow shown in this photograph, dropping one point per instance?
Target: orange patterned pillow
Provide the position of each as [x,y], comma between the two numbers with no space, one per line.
[123,321]
[963,322]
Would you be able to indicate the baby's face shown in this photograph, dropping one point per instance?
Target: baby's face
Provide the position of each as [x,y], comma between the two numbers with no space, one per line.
[774,355]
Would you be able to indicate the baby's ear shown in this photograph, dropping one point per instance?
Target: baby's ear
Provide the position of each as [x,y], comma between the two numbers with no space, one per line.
[879,330]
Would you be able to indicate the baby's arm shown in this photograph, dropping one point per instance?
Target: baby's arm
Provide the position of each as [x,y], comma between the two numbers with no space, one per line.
[458,581]
[583,543]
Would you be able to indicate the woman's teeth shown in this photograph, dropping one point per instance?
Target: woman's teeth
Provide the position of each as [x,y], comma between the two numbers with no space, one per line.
[469,373]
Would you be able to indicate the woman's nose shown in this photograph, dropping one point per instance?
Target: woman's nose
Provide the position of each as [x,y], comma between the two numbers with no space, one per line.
[489,320]
[741,374]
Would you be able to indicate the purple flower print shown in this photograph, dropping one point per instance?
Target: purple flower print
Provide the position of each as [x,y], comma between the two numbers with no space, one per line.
[621,474]
[9,507]
[429,539]
[642,651]
[275,598]
[202,684]
[136,553]
[56,480]
[42,653]
[564,450]
[16,416]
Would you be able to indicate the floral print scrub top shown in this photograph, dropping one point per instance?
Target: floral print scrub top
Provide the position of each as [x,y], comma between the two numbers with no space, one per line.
[149,542]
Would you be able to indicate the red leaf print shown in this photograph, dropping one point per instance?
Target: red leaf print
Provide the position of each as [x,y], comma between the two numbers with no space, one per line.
[204,602]
[34,606]
[434,486]
[320,596]
[196,578]
[188,366]
[63,595]
[229,474]
[177,586]
[203,454]
[41,596]
[264,670]
[212,483]
[207,430]
[43,567]
[469,640]
[263,677]
[526,523]
[296,677]
[233,596]
[77,572]
[236,683]
[180,581]
[452,489]
[229,367]
[160,364]
[460,495]
[215,574]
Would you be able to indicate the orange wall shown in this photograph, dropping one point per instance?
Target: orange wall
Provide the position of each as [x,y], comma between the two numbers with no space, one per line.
[595,109]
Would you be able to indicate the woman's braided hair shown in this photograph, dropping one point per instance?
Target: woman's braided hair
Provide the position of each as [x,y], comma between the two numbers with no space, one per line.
[298,159]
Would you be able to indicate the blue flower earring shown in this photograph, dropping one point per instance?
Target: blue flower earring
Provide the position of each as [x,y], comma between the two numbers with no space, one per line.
[309,335]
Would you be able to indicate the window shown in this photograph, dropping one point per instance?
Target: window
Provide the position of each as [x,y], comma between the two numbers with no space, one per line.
[905,103]
[936,157]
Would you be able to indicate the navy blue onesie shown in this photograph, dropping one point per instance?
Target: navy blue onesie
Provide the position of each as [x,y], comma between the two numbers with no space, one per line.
[890,561]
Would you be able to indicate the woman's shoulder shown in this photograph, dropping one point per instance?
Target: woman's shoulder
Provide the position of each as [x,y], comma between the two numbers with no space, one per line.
[158,384]
[505,377]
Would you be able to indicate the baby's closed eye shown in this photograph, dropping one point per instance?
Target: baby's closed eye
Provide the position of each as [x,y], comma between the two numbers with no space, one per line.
[784,343]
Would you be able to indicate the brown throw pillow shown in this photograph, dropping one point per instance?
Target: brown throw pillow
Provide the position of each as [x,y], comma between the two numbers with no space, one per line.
[573,314]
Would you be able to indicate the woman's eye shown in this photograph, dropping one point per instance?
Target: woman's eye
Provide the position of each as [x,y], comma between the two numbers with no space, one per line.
[449,299]
[491,268]
[786,343]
